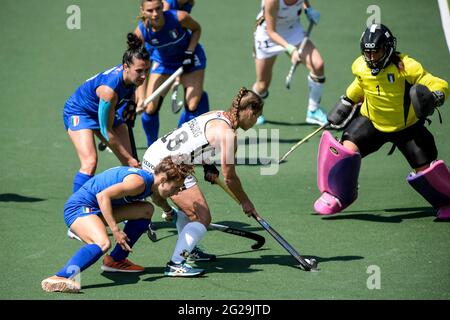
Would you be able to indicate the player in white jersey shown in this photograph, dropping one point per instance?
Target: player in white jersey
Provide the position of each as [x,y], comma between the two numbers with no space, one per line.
[278,30]
[203,137]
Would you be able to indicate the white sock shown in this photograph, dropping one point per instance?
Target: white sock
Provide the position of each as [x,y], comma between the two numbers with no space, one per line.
[182,220]
[262,95]
[192,233]
[315,93]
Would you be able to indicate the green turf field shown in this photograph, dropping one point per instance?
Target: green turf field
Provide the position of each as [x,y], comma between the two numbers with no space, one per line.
[390,226]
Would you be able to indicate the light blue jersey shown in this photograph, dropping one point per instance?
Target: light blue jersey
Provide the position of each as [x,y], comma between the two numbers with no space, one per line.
[84,201]
[81,109]
[168,45]
[173,5]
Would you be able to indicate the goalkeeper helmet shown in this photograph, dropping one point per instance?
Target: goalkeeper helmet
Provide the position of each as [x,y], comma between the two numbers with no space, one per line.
[377,41]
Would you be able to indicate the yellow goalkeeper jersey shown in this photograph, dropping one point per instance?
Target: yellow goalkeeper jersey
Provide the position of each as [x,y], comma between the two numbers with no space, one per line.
[385,96]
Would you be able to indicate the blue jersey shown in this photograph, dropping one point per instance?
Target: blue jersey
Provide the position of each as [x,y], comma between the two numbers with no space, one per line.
[173,5]
[85,100]
[167,46]
[84,201]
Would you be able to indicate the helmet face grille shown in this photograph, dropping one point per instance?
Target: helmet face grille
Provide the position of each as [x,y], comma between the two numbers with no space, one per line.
[375,38]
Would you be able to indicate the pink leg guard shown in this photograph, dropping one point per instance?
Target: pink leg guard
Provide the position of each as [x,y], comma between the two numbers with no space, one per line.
[434,185]
[337,175]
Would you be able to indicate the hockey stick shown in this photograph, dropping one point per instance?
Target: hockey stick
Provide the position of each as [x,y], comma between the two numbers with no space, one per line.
[130,125]
[260,240]
[300,51]
[298,144]
[177,103]
[161,88]
[306,264]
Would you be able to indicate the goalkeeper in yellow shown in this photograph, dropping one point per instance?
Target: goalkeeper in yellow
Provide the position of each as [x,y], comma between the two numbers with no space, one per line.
[396,95]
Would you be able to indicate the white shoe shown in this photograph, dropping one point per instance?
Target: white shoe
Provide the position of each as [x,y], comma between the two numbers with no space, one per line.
[60,284]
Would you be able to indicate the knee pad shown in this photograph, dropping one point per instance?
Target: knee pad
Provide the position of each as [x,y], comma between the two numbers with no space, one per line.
[318,79]
[315,85]
[434,185]
[337,175]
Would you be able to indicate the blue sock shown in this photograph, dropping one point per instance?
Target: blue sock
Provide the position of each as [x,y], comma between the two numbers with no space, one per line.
[185,116]
[150,123]
[79,179]
[202,107]
[133,229]
[81,260]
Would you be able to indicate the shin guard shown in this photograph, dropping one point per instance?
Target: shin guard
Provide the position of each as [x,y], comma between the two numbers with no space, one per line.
[337,175]
[434,185]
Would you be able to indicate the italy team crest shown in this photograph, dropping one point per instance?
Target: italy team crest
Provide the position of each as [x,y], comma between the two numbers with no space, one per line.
[390,77]
[87,210]
[173,33]
[75,120]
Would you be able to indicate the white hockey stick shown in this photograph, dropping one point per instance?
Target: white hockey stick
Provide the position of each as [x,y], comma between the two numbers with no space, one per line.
[162,87]
[300,51]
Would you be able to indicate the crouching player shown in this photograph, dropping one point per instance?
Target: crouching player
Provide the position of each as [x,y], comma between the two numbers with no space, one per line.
[397,96]
[111,197]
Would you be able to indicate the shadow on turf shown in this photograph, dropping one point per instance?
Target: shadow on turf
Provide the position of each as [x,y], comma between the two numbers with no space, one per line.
[221,265]
[413,213]
[248,265]
[13,197]
[127,278]
[290,124]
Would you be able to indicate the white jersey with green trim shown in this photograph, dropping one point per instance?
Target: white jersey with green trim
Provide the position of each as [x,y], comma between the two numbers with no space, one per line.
[287,26]
[190,139]
[287,15]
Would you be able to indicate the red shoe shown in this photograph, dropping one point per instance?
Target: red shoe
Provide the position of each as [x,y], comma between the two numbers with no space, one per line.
[120,266]
[60,284]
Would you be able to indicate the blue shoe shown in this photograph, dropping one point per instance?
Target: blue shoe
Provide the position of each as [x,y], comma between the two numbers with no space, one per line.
[261,120]
[198,254]
[182,270]
[318,116]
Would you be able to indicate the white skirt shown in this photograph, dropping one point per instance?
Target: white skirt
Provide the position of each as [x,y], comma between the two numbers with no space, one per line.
[265,48]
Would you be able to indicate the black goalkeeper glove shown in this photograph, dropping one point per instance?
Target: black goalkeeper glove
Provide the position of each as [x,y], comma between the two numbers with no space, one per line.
[439,98]
[340,113]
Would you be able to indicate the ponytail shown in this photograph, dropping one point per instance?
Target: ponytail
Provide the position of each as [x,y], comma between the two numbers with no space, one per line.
[397,61]
[135,49]
[243,100]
